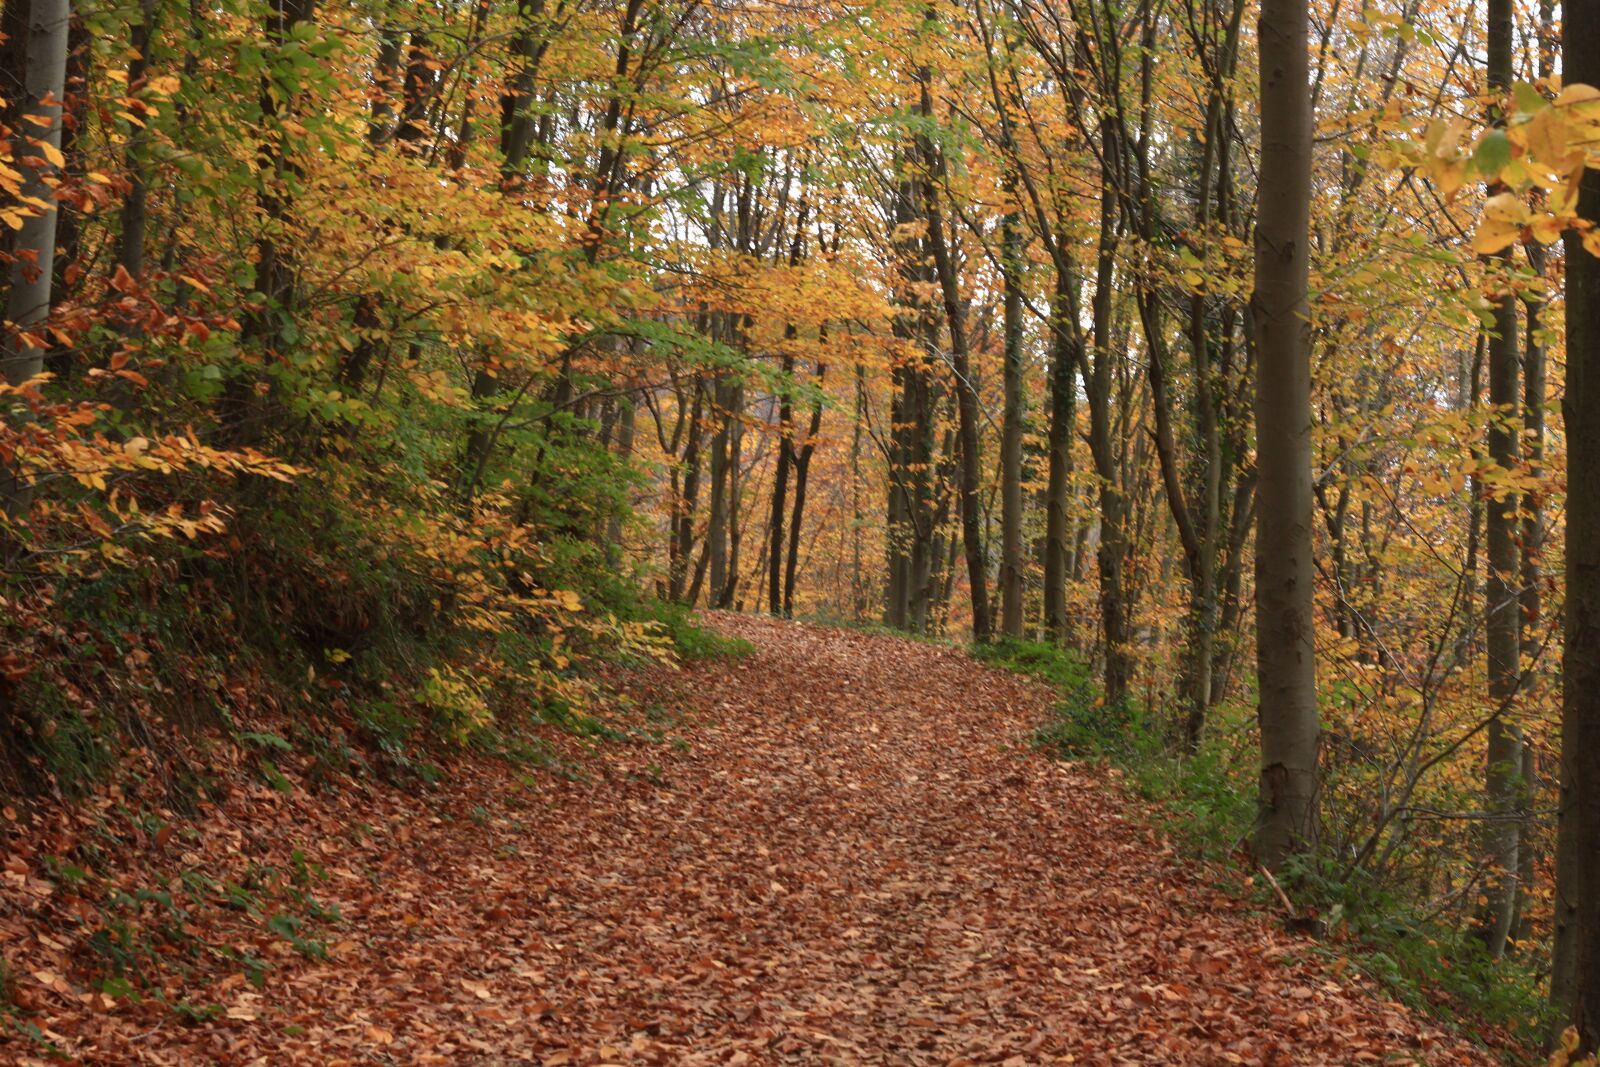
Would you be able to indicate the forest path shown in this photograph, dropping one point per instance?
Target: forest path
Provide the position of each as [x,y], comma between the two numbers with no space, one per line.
[861,860]
[850,855]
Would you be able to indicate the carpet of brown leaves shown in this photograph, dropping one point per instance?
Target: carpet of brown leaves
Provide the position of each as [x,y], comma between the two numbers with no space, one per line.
[855,859]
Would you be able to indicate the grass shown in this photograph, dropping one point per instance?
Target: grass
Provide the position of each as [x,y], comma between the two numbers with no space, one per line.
[691,641]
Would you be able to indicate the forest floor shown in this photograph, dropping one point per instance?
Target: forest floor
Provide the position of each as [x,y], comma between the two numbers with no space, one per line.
[839,849]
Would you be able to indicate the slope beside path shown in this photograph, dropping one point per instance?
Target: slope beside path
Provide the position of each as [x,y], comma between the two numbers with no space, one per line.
[841,850]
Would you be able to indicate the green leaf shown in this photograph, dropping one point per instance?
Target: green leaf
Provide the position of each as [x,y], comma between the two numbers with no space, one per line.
[1529,100]
[266,740]
[1493,154]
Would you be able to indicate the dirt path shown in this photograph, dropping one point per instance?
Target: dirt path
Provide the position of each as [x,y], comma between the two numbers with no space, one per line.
[855,858]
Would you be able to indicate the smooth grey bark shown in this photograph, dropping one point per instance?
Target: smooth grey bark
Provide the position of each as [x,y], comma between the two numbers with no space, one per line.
[1286,822]
[31,273]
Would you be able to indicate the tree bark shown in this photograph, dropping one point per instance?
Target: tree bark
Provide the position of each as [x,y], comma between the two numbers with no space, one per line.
[32,268]
[780,486]
[1502,603]
[1011,561]
[802,475]
[1285,627]
[134,213]
[1058,547]
[1575,984]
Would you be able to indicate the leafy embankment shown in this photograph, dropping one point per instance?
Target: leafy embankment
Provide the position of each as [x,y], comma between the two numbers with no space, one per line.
[839,847]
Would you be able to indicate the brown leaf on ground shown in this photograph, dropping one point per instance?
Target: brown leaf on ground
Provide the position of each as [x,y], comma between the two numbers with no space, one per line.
[857,859]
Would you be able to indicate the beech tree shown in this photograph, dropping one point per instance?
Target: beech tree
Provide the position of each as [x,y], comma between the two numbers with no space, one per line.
[417,350]
[1575,984]
[1285,625]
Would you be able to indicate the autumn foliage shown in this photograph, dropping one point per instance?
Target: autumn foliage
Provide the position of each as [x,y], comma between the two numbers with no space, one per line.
[375,374]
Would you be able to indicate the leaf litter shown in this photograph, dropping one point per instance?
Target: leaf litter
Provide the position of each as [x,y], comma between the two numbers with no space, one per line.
[853,857]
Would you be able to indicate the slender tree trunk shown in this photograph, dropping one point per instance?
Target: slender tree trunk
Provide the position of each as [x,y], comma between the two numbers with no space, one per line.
[722,596]
[1011,559]
[897,509]
[802,475]
[1533,404]
[1058,547]
[1285,626]
[686,504]
[780,491]
[971,471]
[33,251]
[858,587]
[1575,984]
[717,521]
[1103,445]
[134,213]
[1502,603]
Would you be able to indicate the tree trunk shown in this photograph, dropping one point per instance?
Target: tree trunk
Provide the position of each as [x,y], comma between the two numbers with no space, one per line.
[1285,626]
[31,273]
[717,522]
[722,596]
[802,475]
[685,505]
[1575,984]
[1112,551]
[971,472]
[780,488]
[1011,561]
[1058,547]
[1502,604]
[626,429]
[134,213]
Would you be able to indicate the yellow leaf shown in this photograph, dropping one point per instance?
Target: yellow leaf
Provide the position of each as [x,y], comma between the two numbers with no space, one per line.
[1545,136]
[53,154]
[1547,229]
[1449,175]
[1572,95]
[1503,219]
[1591,241]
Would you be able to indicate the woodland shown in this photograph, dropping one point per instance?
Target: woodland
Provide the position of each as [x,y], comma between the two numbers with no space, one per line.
[446,433]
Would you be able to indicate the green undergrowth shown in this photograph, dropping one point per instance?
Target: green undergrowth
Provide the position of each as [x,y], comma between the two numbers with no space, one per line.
[691,641]
[1202,801]
[359,675]
[1205,805]
[877,628]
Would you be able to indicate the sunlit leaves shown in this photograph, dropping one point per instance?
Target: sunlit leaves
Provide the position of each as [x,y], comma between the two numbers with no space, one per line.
[1544,147]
